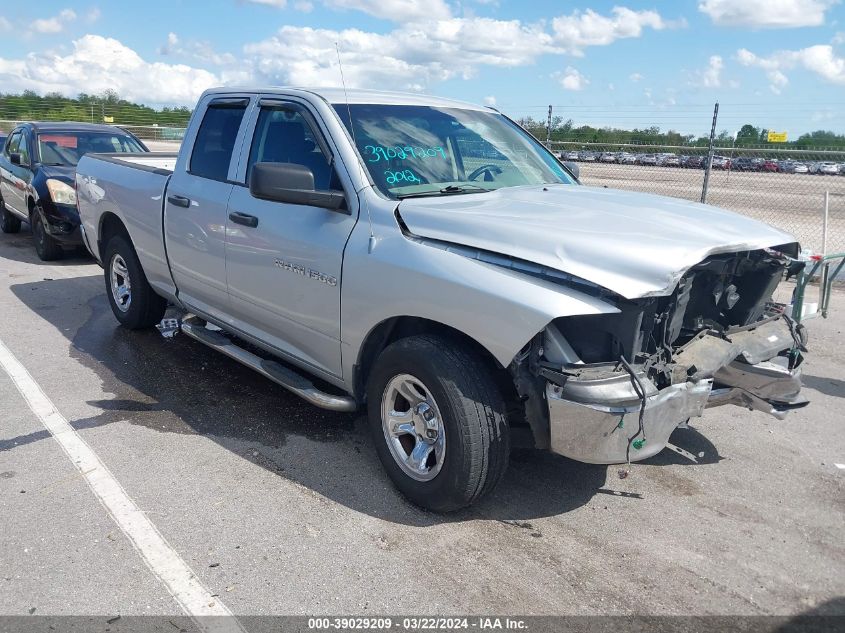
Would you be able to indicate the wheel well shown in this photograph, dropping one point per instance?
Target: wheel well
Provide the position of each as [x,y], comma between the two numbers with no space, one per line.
[110,225]
[395,328]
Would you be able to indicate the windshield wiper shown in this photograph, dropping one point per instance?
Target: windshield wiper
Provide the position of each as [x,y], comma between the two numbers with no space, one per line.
[446,191]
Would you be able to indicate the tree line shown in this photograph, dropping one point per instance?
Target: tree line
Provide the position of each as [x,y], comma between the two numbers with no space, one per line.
[749,135]
[107,107]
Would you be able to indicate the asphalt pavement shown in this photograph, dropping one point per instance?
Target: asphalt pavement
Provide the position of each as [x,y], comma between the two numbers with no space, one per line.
[276,507]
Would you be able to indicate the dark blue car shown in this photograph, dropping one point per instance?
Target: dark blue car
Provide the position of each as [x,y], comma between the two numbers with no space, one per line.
[37,184]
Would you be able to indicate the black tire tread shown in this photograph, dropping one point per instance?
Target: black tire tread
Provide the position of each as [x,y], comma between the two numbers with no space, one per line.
[11,223]
[471,388]
[52,249]
[152,307]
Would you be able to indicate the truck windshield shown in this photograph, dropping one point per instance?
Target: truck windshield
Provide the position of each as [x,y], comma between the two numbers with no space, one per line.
[66,148]
[414,151]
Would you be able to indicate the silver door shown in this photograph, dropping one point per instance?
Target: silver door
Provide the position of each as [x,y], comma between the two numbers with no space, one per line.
[284,272]
[195,208]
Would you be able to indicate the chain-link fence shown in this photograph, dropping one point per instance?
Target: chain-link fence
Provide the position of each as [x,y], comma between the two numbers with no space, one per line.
[785,188]
[145,132]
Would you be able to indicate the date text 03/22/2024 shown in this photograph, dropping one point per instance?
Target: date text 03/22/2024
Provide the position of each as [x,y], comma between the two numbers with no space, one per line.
[418,624]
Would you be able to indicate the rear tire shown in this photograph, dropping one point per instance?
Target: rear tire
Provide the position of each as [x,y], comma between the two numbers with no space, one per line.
[8,222]
[46,247]
[134,303]
[452,392]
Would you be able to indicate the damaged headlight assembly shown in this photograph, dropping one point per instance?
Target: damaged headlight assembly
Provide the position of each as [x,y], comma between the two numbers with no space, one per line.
[617,385]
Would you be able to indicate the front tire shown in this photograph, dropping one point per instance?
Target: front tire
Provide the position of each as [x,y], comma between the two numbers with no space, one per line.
[438,422]
[134,303]
[47,248]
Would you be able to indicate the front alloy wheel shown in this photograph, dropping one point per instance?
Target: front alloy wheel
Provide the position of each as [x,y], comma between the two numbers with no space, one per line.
[412,426]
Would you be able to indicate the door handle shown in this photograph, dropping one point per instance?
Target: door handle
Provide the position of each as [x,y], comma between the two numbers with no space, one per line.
[242,218]
[179,201]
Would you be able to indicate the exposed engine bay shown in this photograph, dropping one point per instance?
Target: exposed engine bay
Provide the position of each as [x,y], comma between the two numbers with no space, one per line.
[715,340]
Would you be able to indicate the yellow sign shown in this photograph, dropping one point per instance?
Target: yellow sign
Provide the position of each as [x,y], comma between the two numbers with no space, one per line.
[110,119]
[777,137]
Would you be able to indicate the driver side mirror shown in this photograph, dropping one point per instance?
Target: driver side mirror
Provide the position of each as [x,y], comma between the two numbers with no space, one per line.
[573,168]
[294,184]
[15,157]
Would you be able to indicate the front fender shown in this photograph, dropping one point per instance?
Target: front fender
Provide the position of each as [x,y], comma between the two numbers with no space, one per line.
[500,308]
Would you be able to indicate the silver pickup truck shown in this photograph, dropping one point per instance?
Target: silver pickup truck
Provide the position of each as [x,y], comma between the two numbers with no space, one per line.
[430,260]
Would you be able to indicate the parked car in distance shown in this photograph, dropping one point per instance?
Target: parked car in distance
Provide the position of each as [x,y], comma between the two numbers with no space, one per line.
[746,163]
[647,159]
[721,162]
[769,164]
[627,158]
[800,168]
[696,161]
[37,183]
[570,155]
[587,157]
[828,169]
[668,160]
[508,295]
[608,157]
[786,166]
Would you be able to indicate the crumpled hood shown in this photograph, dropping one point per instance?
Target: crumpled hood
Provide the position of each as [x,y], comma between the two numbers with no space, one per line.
[634,244]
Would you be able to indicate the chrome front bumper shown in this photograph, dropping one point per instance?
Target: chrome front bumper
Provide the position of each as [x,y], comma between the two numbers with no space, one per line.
[593,418]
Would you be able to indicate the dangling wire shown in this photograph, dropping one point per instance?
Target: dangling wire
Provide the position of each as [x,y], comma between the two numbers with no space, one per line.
[639,389]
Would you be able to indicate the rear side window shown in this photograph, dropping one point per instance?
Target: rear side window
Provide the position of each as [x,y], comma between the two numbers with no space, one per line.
[216,140]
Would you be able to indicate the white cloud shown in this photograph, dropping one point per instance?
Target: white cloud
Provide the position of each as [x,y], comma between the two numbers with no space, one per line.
[397,10]
[55,24]
[429,44]
[575,32]
[571,79]
[635,77]
[97,64]
[279,4]
[838,39]
[771,14]
[820,59]
[491,101]
[93,15]
[711,77]
[304,6]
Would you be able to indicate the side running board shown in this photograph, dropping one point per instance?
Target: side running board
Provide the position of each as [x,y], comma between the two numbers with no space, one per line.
[294,382]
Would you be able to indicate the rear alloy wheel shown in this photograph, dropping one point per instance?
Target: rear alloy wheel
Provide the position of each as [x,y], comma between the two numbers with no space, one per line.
[8,222]
[132,299]
[47,248]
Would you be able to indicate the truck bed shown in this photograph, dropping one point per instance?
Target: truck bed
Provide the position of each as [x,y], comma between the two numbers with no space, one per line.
[131,187]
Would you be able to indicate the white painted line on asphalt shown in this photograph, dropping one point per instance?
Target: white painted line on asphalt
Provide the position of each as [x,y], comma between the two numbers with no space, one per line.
[209,613]
[840,466]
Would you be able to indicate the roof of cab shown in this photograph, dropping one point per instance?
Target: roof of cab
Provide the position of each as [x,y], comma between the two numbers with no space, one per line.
[353,96]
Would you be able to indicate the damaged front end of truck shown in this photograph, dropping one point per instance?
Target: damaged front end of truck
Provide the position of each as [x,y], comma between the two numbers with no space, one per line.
[611,388]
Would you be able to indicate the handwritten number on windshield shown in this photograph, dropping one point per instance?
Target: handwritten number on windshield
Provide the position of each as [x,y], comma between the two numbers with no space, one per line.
[393,177]
[378,153]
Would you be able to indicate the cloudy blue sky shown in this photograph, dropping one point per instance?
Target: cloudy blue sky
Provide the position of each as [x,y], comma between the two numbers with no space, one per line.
[775,63]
